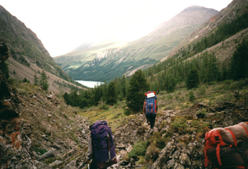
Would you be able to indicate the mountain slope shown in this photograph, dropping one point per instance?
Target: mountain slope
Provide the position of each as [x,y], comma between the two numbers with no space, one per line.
[107,62]
[210,53]
[228,24]
[28,57]
[234,10]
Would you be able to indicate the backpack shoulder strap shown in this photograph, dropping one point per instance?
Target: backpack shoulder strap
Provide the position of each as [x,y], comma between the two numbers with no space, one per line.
[233,136]
[144,106]
[109,139]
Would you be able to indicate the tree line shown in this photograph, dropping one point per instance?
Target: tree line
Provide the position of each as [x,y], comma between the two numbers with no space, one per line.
[165,76]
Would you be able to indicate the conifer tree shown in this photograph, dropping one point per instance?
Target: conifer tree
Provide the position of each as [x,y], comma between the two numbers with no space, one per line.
[111,94]
[135,95]
[212,71]
[4,54]
[4,71]
[97,94]
[239,68]
[36,80]
[123,87]
[192,79]
[169,82]
[43,81]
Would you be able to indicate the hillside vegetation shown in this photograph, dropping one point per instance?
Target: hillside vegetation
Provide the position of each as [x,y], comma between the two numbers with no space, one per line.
[182,120]
[27,56]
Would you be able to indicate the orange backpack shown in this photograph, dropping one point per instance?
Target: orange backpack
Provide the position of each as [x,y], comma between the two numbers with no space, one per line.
[227,147]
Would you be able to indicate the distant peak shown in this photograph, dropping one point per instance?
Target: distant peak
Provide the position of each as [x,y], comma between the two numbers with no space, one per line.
[193,8]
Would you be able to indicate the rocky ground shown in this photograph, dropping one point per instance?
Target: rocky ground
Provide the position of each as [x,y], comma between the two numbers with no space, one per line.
[46,133]
[184,141]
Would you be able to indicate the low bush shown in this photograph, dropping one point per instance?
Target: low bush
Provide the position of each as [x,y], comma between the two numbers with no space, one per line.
[139,149]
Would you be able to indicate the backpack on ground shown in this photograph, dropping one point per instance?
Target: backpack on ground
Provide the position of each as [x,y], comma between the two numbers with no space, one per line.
[102,144]
[227,147]
[150,104]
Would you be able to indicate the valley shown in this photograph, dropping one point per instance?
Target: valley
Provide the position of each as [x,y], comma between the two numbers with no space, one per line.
[196,62]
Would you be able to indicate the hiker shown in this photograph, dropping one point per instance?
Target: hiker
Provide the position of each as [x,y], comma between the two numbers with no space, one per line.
[101,146]
[150,107]
[227,147]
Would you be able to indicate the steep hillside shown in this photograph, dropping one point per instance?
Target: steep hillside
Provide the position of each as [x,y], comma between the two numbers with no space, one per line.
[44,133]
[236,9]
[28,57]
[112,60]
[219,43]
[225,24]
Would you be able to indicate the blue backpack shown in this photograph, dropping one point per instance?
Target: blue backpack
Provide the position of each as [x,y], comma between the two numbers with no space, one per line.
[151,103]
[102,143]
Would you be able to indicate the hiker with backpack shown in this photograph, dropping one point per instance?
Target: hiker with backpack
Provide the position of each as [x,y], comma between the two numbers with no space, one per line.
[150,107]
[101,146]
[227,148]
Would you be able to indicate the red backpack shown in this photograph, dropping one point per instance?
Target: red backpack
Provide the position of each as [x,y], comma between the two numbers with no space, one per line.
[150,104]
[227,147]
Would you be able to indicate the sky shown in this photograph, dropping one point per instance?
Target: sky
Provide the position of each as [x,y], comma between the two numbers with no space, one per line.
[63,25]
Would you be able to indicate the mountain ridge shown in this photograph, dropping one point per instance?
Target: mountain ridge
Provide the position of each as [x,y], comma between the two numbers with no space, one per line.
[137,54]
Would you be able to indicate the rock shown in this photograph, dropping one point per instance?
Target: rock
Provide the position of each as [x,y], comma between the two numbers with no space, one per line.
[71,165]
[164,155]
[210,115]
[50,97]
[124,163]
[178,166]
[184,159]
[129,148]
[27,129]
[121,147]
[171,163]
[55,163]
[50,153]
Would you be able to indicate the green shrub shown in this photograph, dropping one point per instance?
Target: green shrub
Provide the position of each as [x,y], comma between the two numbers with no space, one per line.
[23,61]
[25,80]
[192,80]
[226,85]
[104,107]
[152,153]
[191,96]
[127,112]
[239,84]
[39,150]
[179,125]
[139,149]
[44,81]
[201,113]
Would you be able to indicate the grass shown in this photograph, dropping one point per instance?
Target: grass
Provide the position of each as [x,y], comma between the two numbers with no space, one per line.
[210,95]
[114,115]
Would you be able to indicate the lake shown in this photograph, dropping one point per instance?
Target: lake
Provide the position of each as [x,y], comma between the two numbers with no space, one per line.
[90,84]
